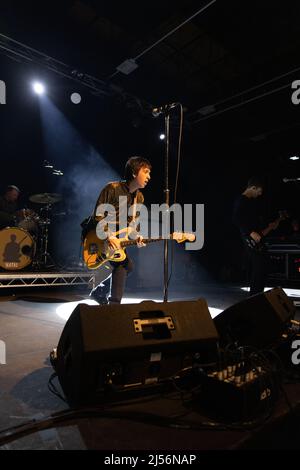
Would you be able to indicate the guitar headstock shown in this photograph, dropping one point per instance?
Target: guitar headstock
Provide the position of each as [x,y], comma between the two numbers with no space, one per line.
[181,237]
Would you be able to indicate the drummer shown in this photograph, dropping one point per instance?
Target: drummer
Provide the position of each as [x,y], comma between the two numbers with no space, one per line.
[9,206]
[12,216]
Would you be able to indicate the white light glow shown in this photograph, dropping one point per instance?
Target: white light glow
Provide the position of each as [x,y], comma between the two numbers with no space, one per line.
[128,300]
[246,289]
[289,292]
[38,88]
[162,136]
[294,157]
[214,311]
[65,310]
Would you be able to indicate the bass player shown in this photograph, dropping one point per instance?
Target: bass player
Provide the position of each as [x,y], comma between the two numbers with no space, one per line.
[246,218]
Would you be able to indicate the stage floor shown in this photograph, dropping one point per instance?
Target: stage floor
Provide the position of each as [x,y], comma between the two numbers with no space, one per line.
[31,327]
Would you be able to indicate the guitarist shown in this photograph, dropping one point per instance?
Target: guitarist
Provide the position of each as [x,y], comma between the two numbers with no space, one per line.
[137,175]
[246,218]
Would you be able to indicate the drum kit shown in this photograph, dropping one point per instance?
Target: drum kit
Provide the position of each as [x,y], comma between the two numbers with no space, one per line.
[26,243]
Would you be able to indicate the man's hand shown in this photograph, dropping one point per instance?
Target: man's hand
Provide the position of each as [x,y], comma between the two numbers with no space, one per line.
[140,242]
[256,237]
[114,243]
[274,225]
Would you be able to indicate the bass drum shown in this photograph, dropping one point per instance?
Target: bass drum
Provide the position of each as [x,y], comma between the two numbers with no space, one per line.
[17,248]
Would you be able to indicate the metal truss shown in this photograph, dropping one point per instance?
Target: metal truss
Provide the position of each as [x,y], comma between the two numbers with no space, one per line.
[19,51]
[15,49]
[46,279]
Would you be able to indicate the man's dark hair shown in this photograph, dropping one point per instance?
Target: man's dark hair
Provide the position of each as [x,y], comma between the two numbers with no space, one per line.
[256,181]
[133,166]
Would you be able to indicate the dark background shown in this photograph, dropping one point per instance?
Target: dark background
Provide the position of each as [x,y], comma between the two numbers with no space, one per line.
[222,52]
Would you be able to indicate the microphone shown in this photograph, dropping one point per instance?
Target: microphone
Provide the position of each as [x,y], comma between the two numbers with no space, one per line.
[287,180]
[163,109]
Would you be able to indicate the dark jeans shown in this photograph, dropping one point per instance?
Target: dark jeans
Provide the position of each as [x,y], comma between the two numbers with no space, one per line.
[259,269]
[114,286]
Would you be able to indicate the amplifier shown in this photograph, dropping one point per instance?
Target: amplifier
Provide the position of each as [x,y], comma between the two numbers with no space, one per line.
[237,393]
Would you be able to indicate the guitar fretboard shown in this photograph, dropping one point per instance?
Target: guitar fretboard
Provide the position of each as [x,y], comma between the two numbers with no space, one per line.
[145,240]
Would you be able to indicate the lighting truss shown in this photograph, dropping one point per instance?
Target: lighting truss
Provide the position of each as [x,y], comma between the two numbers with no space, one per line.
[14,49]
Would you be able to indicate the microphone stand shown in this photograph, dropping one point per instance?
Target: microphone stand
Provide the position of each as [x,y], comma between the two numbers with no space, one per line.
[167,202]
[156,112]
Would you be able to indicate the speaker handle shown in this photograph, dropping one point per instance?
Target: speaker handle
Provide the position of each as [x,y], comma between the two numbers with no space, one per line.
[140,325]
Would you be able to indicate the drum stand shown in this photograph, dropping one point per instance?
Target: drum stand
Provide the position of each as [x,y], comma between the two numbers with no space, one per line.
[44,259]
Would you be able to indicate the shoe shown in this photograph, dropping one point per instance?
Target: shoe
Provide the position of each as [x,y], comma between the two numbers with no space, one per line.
[99,296]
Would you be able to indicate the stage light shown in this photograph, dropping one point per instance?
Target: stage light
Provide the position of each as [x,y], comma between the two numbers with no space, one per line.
[75,98]
[46,164]
[294,157]
[162,136]
[38,88]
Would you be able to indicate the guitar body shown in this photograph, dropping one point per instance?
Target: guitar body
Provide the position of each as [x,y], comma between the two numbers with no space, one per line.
[254,245]
[260,246]
[97,252]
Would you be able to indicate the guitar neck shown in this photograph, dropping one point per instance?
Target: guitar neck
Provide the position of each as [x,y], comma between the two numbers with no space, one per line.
[266,231]
[269,229]
[145,240]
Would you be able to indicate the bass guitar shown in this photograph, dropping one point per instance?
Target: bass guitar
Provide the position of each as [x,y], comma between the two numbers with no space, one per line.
[260,246]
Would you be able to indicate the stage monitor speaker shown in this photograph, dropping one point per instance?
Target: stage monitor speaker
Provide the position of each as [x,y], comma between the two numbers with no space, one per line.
[257,321]
[115,347]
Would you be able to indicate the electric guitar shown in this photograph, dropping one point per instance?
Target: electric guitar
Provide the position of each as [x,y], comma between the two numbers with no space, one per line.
[97,252]
[260,246]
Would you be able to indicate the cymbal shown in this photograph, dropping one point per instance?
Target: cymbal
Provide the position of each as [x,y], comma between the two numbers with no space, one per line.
[45,198]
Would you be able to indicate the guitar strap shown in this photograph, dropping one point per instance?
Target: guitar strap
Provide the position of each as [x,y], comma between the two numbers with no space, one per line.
[134,208]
